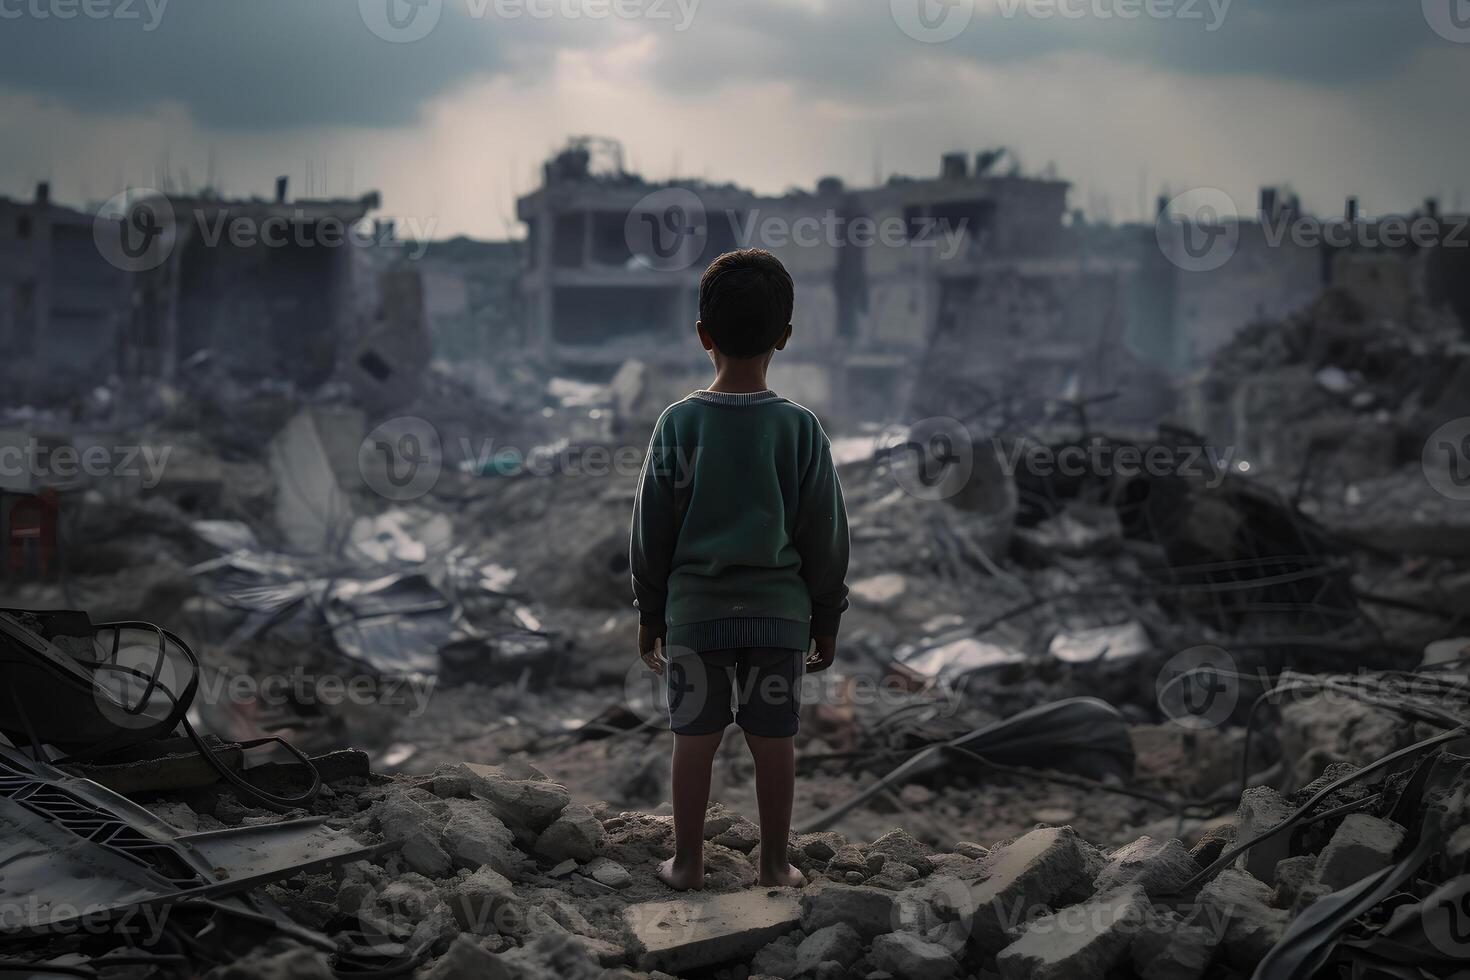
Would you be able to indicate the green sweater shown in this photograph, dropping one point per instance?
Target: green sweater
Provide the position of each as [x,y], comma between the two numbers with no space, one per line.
[739,531]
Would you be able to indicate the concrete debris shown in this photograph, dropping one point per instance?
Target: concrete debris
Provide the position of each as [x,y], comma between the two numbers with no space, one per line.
[907,957]
[1363,845]
[1085,940]
[1158,867]
[1052,867]
[690,933]
[870,911]
[575,835]
[838,943]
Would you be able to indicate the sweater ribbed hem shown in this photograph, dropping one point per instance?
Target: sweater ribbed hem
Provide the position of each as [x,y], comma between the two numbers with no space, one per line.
[729,634]
[735,398]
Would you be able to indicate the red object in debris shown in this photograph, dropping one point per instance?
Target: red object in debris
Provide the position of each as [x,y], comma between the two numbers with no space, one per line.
[30,535]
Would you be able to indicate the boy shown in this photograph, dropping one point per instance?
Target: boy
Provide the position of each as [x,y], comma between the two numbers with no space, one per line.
[739,555]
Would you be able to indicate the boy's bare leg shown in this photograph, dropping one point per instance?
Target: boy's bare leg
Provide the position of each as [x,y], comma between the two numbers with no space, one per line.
[694,756]
[775,788]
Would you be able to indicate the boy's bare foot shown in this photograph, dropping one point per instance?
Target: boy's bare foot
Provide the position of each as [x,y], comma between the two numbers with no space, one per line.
[681,878]
[785,877]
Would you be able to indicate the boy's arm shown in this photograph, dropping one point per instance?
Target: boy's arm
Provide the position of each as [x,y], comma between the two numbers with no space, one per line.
[652,549]
[821,540]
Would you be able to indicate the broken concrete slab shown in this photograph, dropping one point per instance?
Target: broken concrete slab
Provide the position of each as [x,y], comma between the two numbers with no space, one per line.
[1240,904]
[531,803]
[576,834]
[483,903]
[907,957]
[1085,940]
[1169,948]
[1043,869]
[707,930]
[1161,867]
[870,911]
[900,845]
[608,872]
[466,959]
[1362,845]
[474,837]
[1261,809]
[839,942]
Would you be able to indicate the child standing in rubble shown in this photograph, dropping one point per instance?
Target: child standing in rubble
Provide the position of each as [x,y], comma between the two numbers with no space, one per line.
[739,557]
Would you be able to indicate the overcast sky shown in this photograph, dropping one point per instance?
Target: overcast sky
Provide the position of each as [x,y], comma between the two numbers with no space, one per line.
[1329,96]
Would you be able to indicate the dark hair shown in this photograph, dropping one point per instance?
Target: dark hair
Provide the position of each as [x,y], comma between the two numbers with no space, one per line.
[745,301]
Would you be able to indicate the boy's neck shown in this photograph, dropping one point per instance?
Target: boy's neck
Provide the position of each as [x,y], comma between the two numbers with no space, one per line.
[742,380]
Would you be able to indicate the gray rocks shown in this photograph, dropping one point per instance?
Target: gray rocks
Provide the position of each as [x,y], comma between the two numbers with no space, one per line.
[575,834]
[1085,940]
[839,942]
[1044,868]
[532,804]
[1262,808]
[474,837]
[1161,867]
[609,872]
[468,960]
[706,930]
[1362,846]
[1251,925]
[907,957]
[869,911]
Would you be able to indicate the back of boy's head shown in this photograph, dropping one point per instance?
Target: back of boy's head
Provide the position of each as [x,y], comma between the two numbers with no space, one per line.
[745,302]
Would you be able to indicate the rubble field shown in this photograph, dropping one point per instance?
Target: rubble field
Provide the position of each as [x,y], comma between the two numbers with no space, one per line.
[1191,720]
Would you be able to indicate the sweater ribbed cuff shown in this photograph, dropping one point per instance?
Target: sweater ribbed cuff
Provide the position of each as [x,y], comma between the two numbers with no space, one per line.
[825,623]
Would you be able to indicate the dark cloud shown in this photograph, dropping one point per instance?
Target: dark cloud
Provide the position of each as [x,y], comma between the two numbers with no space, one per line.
[290,63]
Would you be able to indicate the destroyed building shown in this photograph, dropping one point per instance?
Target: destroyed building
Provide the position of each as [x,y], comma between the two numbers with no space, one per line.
[63,308]
[976,243]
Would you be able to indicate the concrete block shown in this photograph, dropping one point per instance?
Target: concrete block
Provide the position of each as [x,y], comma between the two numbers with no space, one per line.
[706,930]
[1085,940]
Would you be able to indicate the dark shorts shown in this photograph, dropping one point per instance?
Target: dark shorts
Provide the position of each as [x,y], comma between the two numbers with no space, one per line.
[706,689]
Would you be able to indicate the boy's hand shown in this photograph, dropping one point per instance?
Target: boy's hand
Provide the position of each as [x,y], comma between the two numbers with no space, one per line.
[651,649]
[823,653]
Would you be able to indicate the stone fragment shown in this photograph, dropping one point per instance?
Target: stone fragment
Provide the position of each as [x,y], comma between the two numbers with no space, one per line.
[701,931]
[1161,867]
[838,942]
[1251,925]
[576,835]
[1086,940]
[609,873]
[1262,808]
[1362,845]
[870,911]
[1042,869]
[907,957]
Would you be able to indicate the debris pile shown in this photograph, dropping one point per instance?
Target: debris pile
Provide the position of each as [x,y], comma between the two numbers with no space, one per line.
[496,870]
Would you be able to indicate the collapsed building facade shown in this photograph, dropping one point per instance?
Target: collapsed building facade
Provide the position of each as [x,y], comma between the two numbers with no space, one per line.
[994,291]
